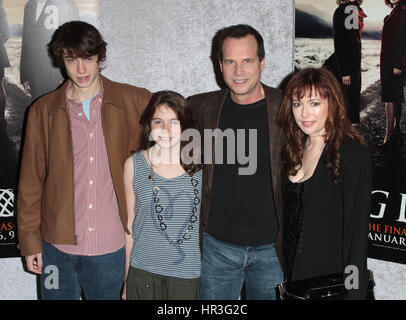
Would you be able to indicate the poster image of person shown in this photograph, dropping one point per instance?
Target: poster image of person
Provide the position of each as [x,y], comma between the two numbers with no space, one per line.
[322,37]
[393,52]
[41,19]
[7,156]
[348,21]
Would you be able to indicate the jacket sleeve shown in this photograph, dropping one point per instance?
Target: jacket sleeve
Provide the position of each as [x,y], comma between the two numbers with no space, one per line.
[31,185]
[340,44]
[356,184]
[140,98]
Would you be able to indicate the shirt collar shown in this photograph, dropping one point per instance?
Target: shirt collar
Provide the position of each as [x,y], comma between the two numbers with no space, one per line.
[71,103]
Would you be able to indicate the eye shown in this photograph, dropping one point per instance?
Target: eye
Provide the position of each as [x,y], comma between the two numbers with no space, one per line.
[247,60]
[296,104]
[156,122]
[315,104]
[175,122]
[228,62]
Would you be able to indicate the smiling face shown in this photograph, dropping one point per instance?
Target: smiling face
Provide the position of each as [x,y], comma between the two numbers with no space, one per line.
[310,113]
[242,69]
[165,127]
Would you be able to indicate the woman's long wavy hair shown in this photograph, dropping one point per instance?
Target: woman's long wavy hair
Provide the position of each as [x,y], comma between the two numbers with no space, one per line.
[180,107]
[337,126]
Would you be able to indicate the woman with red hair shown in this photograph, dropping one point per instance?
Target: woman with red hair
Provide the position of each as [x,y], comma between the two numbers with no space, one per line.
[327,182]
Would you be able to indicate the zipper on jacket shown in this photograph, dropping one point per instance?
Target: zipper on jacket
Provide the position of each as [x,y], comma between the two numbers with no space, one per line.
[75,237]
[108,158]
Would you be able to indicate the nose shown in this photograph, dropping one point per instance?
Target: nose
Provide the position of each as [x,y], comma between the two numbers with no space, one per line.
[237,69]
[81,66]
[166,128]
[304,111]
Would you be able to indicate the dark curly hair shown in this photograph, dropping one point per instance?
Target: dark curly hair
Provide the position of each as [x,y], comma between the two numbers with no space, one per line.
[337,125]
[76,39]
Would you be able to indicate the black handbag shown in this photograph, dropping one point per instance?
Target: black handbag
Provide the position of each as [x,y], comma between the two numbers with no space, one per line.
[329,287]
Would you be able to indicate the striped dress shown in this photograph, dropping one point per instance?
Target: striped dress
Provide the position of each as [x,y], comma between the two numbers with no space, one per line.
[152,251]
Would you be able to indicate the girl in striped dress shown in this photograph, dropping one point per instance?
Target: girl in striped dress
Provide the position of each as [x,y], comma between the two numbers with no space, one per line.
[163,203]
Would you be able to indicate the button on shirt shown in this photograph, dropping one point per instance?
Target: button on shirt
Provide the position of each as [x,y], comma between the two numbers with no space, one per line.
[98,227]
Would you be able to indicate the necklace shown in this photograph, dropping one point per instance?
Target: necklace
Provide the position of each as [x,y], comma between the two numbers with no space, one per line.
[158,210]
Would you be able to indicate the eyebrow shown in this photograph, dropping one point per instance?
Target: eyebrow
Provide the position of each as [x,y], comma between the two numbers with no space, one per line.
[157,118]
[312,98]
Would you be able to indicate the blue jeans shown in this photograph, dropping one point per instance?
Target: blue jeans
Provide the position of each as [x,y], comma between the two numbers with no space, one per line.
[226,266]
[64,276]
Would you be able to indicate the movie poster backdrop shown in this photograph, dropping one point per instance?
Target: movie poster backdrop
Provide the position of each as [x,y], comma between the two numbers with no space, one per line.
[314,47]
[26,27]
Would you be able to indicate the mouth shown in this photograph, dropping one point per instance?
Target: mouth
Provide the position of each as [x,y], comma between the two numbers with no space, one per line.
[239,82]
[308,123]
[83,79]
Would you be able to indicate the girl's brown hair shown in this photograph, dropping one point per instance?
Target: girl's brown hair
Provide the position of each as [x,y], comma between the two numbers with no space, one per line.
[179,105]
[337,126]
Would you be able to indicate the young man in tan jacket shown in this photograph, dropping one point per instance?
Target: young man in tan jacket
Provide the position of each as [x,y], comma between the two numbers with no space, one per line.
[71,203]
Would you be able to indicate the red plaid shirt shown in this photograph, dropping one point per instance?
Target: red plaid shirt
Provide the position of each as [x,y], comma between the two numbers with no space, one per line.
[97,222]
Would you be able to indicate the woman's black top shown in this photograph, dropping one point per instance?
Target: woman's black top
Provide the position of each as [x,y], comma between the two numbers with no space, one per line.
[326,224]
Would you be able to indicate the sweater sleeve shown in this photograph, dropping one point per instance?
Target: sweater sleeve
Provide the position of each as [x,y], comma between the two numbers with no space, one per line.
[356,184]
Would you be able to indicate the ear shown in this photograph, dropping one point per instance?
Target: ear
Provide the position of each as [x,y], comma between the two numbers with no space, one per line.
[263,64]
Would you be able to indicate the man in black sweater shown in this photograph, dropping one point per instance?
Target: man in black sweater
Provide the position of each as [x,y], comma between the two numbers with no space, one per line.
[241,218]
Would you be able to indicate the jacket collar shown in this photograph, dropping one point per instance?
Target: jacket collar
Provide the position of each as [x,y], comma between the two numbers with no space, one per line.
[394,10]
[110,96]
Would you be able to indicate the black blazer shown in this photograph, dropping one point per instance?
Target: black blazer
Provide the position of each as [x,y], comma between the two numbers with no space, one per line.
[335,233]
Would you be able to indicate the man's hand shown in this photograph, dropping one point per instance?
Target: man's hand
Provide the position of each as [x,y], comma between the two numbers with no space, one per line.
[397,71]
[346,80]
[34,263]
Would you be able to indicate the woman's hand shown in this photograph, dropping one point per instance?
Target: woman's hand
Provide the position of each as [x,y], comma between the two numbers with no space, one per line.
[397,71]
